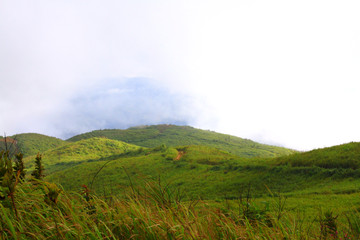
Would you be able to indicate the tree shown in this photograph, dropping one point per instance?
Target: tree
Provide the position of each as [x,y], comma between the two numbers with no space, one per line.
[38,173]
[19,168]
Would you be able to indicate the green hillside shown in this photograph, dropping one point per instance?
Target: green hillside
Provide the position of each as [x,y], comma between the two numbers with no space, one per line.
[210,173]
[171,135]
[143,189]
[85,150]
[32,143]
[341,156]
[199,170]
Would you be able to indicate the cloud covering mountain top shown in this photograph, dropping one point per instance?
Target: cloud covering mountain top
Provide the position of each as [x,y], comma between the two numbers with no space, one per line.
[274,71]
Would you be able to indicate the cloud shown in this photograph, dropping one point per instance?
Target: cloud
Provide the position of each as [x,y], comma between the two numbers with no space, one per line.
[273,71]
[121,104]
[51,52]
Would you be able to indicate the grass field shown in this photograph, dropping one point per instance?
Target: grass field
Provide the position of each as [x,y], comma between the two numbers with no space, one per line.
[99,188]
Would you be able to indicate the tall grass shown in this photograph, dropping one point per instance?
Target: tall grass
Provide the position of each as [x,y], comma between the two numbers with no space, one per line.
[45,211]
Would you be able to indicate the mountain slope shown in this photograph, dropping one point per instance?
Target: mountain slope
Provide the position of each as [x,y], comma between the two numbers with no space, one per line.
[341,156]
[32,143]
[85,150]
[210,173]
[172,135]
[199,170]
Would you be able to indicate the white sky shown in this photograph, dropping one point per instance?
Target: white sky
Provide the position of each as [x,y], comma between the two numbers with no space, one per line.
[278,72]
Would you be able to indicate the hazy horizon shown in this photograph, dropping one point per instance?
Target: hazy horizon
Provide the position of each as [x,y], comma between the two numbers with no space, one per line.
[281,72]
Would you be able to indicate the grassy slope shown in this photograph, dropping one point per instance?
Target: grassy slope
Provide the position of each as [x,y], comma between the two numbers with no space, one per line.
[32,143]
[171,135]
[321,178]
[75,153]
[212,173]
[198,171]
[216,175]
[341,156]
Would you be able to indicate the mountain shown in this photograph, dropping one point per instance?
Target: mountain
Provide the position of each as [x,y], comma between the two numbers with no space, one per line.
[33,143]
[343,156]
[172,135]
[86,150]
[198,169]
[207,172]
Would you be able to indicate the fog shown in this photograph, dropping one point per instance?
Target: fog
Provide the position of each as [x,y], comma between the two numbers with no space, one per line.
[278,72]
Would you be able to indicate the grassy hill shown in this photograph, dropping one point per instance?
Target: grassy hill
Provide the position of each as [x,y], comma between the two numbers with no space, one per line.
[341,156]
[310,195]
[199,170]
[172,135]
[32,143]
[86,150]
[212,173]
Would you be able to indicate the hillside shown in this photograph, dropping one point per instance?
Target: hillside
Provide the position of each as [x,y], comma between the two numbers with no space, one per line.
[310,188]
[162,188]
[341,156]
[85,150]
[209,172]
[171,135]
[199,169]
[32,143]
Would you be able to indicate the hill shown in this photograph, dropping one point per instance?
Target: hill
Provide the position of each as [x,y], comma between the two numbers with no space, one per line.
[32,143]
[172,135]
[212,173]
[312,188]
[341,156]
[198,169]
[85,150]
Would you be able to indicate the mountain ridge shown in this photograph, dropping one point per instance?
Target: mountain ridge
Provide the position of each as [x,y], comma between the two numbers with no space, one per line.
[174,135]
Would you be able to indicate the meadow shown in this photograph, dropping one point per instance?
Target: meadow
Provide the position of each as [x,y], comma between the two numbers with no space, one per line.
[100,188]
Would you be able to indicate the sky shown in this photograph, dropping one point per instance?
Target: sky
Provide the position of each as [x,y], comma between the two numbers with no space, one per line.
[279,72]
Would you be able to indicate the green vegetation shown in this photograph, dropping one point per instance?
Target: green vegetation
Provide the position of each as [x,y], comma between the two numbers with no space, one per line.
[45,211]
[38,173]
[171,135]
[346,156]
[204,172]
[86,150]
[33,143]
[99,188]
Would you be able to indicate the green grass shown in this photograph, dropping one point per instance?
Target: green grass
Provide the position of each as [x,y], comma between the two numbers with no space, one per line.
[33,143]
[341,156]
[155,212]
[204,172]
[171,135]
[86,150]
[186,192]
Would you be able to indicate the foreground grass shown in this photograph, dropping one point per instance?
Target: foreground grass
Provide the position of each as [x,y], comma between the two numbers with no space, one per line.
[155,212]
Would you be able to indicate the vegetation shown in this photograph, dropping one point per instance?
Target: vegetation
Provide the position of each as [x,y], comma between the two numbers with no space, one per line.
[99,188]
[32,143]
[19,166]
[345,156]
[38,173]
[203,171]
[171,135]
[86,150]
[45,211]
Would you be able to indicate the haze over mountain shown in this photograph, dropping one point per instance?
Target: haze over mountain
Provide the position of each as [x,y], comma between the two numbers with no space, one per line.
[278,72]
